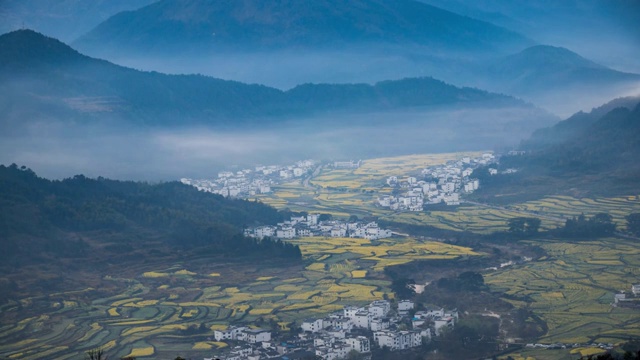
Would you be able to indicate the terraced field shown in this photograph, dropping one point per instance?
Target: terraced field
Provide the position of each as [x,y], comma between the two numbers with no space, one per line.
[345,192]
[159,309]
[572,289]
[152,317]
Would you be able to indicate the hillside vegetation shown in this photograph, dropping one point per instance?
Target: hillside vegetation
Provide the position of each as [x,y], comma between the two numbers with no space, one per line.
[119,220]
[583,156]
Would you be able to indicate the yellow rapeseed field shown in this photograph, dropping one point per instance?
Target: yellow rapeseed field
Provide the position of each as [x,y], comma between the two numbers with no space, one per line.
[141,352]
[359,274]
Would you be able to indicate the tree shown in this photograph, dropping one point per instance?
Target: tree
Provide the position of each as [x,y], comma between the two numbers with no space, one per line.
[600,224]
[354,355]
[95,354]
[633,223]
[524,226]
[402,289]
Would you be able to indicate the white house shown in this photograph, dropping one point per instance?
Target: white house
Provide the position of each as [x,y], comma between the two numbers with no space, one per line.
[379,324]
[405,305]
[312,325]
[336,351]
[256,335]
[286,233]
[444,322]
[338,232]
[398,340]
[230,333]
[265,231]
[360,344]
[431,312]
[362,319]
[379,308]
[312,219]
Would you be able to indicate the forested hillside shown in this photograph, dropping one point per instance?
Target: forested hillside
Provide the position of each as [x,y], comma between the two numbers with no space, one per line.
[77,217]
[587,158]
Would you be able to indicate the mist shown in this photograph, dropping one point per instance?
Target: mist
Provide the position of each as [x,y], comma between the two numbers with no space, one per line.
[59,150]
[286,69]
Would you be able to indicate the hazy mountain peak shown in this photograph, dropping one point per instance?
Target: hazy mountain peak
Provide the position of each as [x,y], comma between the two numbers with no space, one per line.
[548,55]
[272,24]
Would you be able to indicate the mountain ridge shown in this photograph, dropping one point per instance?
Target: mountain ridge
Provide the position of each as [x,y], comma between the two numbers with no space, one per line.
[594,154]
[286,23]
[545,67]
[60,72]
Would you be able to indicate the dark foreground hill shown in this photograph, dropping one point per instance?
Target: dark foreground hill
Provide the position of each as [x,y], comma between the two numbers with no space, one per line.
[588,157]
[42,77]
[117,221]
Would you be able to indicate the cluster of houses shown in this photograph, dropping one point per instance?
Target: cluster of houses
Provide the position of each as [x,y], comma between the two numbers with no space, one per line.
[347,164]
[250,182]
[352,329]
[438,184]
[310,225]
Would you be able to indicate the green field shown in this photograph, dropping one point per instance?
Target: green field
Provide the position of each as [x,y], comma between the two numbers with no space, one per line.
[572,289]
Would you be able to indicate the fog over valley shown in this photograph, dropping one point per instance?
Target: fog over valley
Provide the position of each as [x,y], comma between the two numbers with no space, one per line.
[59,149]
[319,179]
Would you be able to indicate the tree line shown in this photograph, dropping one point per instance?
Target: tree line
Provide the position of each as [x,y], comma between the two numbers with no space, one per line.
[581,226]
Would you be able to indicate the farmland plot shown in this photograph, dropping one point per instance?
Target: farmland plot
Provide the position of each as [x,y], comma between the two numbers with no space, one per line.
[151,317]
[572,290]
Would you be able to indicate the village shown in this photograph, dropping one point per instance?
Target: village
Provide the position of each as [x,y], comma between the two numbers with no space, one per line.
[354,329]
[250,182]
[315,225]
[439,184]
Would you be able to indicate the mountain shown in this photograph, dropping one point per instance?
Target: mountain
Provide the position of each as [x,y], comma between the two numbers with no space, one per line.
[64,113]
[591,157]
[65,20]
[111,221]
[600,29]
[41,74]
[576,124]
[542,68]
[217,25]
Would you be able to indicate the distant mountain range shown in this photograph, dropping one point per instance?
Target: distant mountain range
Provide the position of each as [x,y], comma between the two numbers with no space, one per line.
[603,30]
[547,68]
[210,26]
[41,75]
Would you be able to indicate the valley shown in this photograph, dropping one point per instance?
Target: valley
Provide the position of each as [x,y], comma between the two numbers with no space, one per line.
[162,308]
[319,180]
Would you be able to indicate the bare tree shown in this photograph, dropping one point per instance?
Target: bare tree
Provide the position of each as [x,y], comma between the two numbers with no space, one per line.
[95,354]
